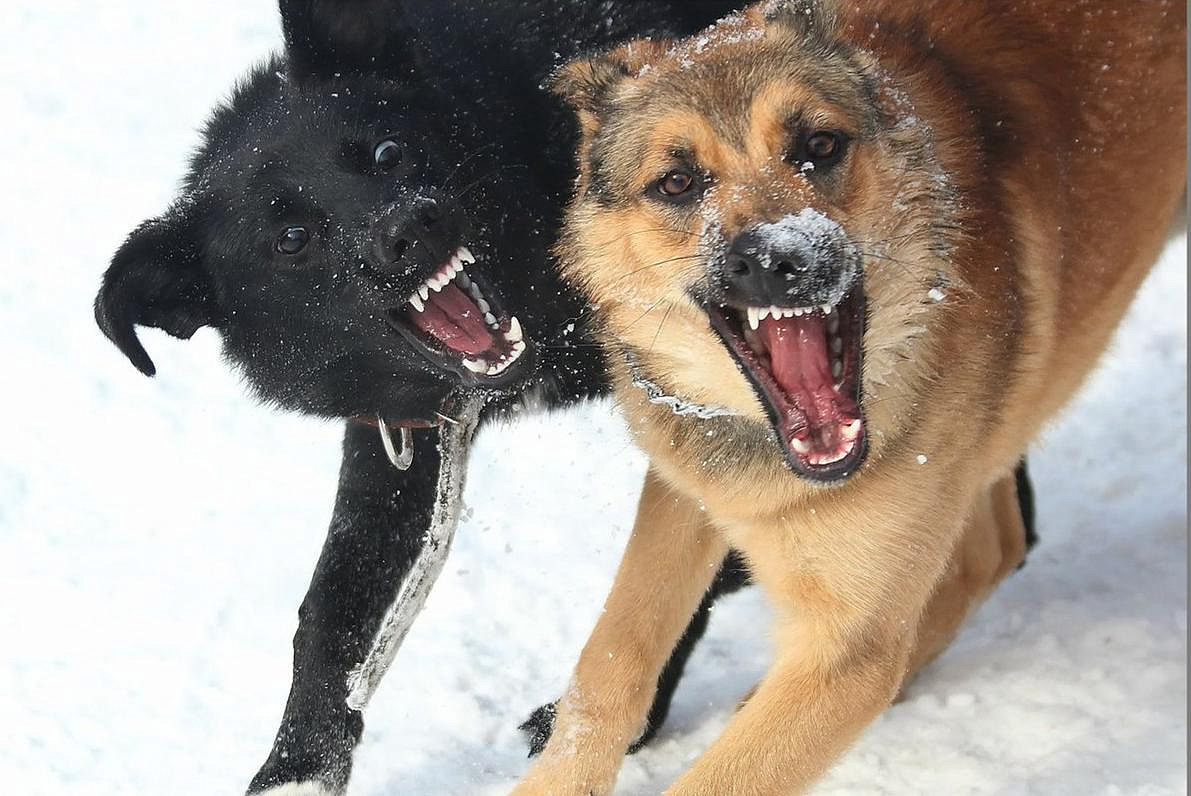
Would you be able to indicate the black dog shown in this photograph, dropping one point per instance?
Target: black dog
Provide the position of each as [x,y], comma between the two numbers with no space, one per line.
[327,229]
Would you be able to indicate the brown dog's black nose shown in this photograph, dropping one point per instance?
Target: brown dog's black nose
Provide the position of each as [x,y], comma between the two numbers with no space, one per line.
[763,268]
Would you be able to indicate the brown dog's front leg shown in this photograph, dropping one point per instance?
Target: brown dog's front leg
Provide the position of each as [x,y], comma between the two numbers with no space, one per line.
[848,607]
[670,561]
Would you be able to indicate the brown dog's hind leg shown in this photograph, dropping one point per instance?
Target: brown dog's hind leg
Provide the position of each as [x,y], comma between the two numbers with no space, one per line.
[993,544]
[669,562]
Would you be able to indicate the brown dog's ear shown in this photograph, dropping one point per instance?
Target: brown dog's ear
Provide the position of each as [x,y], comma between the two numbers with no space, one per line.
[808,19]
[155,279]
[587,83]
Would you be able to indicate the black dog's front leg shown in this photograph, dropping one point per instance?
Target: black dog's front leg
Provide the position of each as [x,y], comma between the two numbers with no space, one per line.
[377,530]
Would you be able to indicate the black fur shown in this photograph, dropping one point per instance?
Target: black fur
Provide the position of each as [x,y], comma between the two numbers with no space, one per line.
[456,83]
[1025,501]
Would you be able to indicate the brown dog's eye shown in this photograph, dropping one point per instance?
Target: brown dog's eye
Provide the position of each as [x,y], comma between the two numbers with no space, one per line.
[293,240]
[819,151]
[676,182]
[821,146]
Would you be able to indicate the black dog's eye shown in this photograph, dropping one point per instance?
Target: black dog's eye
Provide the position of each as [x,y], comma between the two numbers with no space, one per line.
[293,240]
[676,183]
[388,154]
[820,150]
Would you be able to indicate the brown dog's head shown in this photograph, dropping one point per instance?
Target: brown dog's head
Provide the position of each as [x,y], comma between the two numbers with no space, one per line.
[758,201]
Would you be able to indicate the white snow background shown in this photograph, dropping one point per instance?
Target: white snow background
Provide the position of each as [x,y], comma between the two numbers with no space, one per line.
[156,536]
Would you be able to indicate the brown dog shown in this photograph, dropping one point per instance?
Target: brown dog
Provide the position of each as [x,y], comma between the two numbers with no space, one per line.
[849,259]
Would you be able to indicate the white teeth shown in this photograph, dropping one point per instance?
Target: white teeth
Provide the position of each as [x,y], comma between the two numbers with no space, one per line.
[436,284]
[514,333]
[465,255]
[475,366]
[837,345]
[754,318]
[800,446]
[518,347]
[417,302]
[775,313]
[826,309]
[483,305]
[490,319]
[456,265]
[424,292]
[852,430]
[837,369]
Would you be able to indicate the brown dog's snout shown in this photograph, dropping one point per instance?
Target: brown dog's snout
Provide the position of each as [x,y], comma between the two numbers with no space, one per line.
[783,265]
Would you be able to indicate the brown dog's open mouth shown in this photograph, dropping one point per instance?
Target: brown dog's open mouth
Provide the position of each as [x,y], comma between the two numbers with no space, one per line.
[805,365]
[456,320]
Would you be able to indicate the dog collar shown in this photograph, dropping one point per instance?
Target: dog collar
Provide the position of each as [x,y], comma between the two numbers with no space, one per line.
[656,395]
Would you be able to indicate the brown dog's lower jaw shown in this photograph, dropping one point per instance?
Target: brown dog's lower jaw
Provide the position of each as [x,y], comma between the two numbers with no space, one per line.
[804,364]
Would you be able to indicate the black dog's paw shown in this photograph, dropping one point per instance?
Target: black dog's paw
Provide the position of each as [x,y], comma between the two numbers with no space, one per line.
[538,726]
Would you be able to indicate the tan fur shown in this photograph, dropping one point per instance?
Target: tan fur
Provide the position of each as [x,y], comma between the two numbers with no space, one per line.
[1025,166]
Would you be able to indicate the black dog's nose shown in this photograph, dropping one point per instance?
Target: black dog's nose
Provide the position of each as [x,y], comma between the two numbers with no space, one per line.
[423,230]
[763,268]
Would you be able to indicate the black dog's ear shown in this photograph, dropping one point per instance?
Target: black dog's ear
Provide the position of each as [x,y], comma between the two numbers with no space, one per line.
[155,279]
[327,37]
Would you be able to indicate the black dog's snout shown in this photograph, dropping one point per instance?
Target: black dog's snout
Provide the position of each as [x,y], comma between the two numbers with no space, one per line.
[419,229]
[785,268]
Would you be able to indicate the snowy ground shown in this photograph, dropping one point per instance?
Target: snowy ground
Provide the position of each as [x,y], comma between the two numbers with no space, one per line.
[156,536]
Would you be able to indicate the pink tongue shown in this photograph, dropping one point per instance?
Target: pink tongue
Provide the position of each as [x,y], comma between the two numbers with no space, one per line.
[455,320]
[800,364]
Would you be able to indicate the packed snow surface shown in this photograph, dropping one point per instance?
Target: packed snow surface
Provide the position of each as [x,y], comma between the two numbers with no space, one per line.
[156,536]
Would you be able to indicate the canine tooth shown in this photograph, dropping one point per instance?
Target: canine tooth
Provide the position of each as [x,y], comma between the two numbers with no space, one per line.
[755,318]
[424,292]
[417,302]
[514,332]
[464,254]
[837,369]
[475,366]
[483,305]
[800,446]
[852,430]
[490,319]
[518,347]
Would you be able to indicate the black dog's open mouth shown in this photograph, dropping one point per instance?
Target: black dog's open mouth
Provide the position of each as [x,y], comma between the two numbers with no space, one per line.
[456,320]
[805,365]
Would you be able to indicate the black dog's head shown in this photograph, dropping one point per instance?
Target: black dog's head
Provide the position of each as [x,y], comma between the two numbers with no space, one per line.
[323,229]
